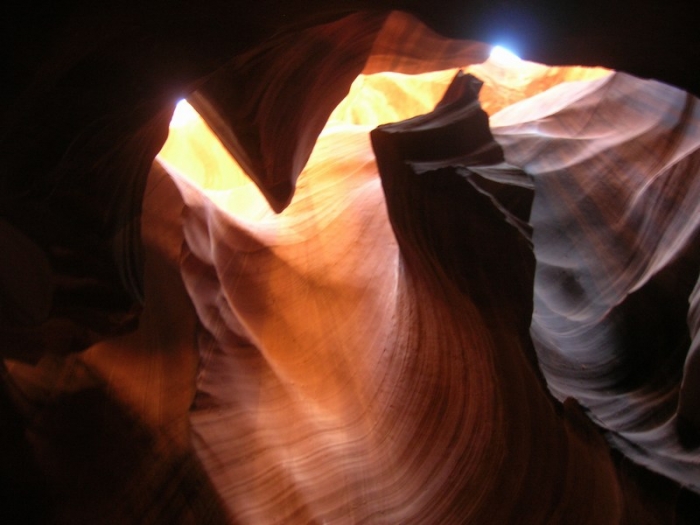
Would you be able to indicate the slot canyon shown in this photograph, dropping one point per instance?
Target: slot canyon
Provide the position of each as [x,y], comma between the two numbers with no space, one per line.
[349,262]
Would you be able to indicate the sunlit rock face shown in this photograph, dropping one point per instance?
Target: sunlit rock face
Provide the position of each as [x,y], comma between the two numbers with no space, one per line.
[362,362]
[397,292]
[451,320]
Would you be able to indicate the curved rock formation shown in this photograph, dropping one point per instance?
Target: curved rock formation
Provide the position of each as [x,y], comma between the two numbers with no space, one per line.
[615,222]
[467,330]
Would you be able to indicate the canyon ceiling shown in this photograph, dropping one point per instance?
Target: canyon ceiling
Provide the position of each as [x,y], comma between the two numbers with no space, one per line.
[463,295]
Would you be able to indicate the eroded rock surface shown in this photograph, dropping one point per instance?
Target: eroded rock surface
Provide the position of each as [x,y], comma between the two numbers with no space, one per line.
[364,356]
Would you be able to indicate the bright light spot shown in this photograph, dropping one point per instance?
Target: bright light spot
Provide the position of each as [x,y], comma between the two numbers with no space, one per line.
[184,115]
[505,58]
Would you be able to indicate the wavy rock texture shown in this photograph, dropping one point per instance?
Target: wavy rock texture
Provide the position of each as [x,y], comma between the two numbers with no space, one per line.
[284,395]
[615,218]
[364,356]
[347,378]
